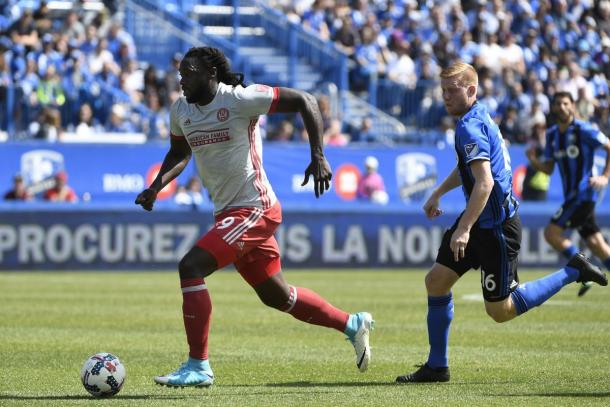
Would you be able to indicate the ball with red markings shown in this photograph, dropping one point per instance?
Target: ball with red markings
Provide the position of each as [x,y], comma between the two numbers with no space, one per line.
[103,375]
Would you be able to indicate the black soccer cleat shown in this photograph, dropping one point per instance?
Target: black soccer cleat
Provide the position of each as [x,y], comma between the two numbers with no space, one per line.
[584,288]
[588,271]
[425,374]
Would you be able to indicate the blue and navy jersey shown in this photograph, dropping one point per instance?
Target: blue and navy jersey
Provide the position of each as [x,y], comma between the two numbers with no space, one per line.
[574,152]
[477,137]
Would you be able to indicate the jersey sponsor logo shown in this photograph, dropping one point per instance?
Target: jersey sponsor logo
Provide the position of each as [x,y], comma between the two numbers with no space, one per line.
[203,137]
[223,114]
[416,174]
[471,150]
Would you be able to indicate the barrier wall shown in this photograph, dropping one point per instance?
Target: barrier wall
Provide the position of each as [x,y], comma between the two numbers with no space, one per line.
[65,238]
[338,231]
[116,173]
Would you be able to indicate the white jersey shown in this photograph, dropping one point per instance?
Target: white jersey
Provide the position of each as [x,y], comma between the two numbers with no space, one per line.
[225,139]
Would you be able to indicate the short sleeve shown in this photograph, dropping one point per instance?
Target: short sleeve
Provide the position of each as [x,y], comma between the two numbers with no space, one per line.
[473,141]
[174,120]
[257,99]
[592,136]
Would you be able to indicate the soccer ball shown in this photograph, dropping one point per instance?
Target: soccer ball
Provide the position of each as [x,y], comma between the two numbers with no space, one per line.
[103,375]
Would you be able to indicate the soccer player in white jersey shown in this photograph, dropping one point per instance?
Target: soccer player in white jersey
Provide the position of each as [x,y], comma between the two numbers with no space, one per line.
[217,122]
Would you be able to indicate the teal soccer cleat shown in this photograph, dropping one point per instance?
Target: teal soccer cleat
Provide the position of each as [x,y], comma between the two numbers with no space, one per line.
[359,327]
[192,373]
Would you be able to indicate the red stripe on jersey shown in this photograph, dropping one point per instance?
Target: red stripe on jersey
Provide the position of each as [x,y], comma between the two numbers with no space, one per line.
[256,164]
[276,98]
[174,137]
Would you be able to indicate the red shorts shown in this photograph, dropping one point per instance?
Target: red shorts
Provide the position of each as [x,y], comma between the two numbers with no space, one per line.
[244,236]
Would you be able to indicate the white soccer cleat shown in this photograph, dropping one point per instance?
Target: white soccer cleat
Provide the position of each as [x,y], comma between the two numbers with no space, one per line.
[360,339]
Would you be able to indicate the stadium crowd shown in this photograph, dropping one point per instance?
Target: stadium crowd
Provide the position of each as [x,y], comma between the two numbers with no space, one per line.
[78,70]
[524,51]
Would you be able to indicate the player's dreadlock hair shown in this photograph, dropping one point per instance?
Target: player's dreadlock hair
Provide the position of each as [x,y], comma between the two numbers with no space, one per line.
[210,56]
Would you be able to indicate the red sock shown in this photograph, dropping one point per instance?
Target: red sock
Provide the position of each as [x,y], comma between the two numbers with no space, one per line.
[305,305]
[197,312]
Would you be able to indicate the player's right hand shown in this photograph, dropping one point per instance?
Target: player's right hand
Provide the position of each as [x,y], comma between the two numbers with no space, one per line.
[147,199]
[431,207]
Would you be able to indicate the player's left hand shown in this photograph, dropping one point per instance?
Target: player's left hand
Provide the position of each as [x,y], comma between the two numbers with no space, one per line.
[459,241]
[599,182]
[147,199]
[320,169]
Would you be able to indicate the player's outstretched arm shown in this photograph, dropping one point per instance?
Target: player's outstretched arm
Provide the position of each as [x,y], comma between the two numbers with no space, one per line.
[174,163]
[432,205]
[293,100]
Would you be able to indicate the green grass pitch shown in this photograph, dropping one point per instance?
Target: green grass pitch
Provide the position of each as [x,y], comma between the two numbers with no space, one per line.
[51,322]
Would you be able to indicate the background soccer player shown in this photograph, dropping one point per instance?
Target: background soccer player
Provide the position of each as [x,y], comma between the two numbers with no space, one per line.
[487,234]
[571,144]
[217,122]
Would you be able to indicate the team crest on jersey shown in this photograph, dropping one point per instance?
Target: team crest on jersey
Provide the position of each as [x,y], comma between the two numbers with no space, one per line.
[471,150]
[262,88]
[222,114]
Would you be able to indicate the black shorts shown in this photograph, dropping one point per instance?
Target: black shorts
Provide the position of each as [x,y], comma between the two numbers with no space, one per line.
[577,215]
[495,251]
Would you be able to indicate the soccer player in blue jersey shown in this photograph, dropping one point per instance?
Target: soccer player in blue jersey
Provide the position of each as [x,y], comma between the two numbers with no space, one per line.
[487,234]
[571,144]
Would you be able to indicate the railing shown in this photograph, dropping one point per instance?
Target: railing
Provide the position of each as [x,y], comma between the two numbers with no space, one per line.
[300,44]
[176,24]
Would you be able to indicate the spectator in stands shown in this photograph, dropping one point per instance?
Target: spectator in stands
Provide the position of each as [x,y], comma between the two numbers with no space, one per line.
[100,57]
[334,135]
[19,191]
[315,19]
[48,127]
[73,28]
[365,132]
[132,81]
[347,37]
[536,183]
[89,45]
[172,79]
[61,192]
[23,31]
[371,186]
[50,91]
[118,121]
[158,123]
[189,194]
[401,68]
[284,132]
[117,36]
[87,124]
[42,19]
[512,129]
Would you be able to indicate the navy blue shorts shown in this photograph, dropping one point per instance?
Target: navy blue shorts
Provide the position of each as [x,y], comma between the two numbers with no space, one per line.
[577,215]
[495,251]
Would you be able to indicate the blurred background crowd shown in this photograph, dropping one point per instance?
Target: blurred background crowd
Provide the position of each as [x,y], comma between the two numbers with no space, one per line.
[77,71]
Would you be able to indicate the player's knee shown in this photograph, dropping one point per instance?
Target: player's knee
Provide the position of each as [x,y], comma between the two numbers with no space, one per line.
[435,284]
[272,301]
[499,314]
[189,268]
[272,294]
